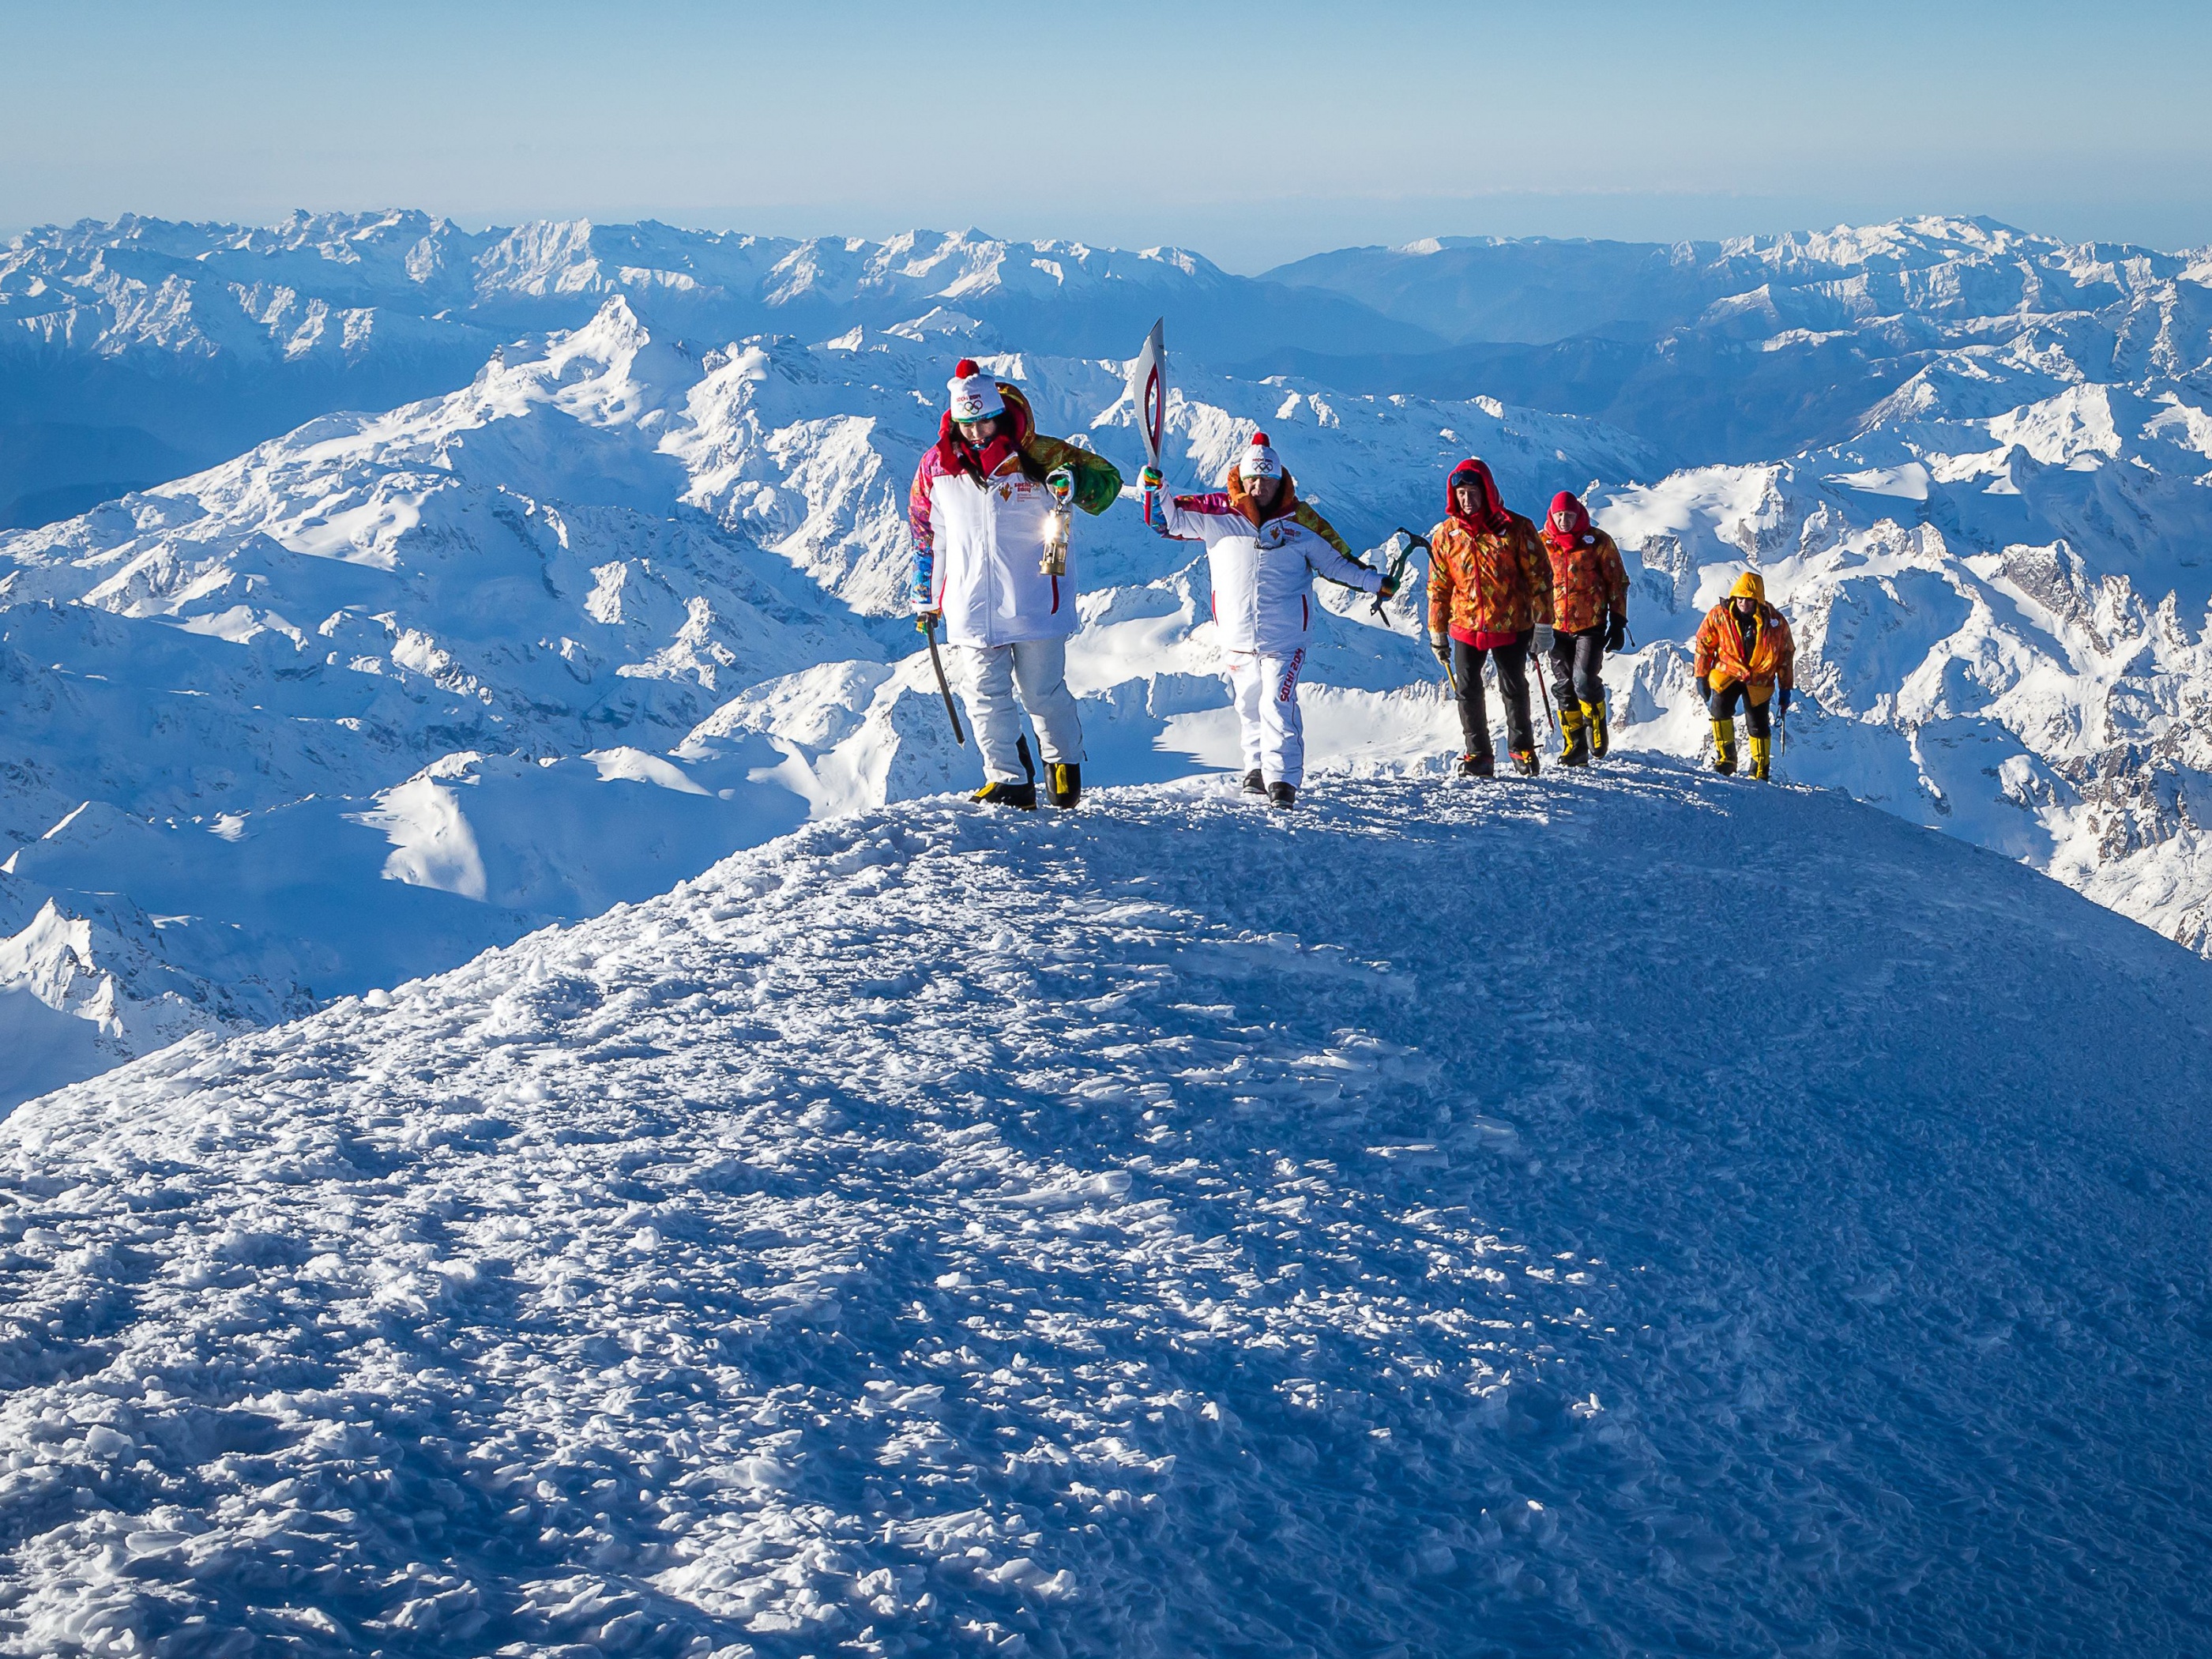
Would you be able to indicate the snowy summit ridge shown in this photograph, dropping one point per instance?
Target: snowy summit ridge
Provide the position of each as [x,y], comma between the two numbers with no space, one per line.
[1156,1230]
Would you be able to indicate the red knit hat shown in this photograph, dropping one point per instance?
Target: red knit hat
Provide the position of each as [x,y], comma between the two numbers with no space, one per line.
[1568,524]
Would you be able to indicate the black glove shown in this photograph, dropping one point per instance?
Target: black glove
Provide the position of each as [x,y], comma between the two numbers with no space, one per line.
[1616,632]
[1786,699]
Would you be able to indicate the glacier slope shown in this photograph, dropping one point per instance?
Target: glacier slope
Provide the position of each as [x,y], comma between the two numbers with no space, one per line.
[1163,1228]
[2001,623]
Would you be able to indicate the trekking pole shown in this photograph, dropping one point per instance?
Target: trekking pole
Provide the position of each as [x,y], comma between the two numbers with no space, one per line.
[929,633]
[1548,714]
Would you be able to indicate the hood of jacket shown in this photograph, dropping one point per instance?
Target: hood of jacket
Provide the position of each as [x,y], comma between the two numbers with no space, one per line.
[1491,516]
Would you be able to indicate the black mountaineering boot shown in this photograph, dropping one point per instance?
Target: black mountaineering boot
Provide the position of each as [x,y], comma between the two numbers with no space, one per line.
[1066,779]
[1282,796]
[1023,795]
[1254,783]
[1478,765]
[1524,762]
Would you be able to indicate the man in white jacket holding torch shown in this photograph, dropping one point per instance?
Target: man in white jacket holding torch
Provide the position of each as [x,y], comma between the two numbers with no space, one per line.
[1263,548]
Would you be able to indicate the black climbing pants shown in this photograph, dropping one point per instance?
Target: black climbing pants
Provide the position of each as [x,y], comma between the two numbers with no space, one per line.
[1512,662]
[1756,708]
[1578,662]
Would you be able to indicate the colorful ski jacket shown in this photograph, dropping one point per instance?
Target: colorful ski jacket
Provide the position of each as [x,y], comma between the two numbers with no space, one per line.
[1588,581]
[1757,653]
[1489,577]
[979,542]
[1261,566]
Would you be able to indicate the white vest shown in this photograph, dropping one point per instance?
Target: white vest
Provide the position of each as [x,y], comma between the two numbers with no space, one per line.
[989,547]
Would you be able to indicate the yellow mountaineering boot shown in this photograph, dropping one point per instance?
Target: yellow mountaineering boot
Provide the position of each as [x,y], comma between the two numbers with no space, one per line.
[1600,735]
[1576,730]
[1723,747]
[1762,757]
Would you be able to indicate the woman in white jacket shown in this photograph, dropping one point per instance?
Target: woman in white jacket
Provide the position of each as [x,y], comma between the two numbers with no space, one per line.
[1263,548]
[988,515]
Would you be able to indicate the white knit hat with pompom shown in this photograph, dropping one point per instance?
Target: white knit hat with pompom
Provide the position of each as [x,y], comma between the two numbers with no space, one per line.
[974,394]
[1259,460]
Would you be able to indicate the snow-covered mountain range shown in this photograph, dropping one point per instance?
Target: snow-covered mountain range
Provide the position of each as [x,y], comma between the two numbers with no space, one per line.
[390,688]
[1754,348]
[138,351]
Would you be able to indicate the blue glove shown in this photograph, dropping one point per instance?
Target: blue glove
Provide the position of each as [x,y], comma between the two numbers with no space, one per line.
[1786,699]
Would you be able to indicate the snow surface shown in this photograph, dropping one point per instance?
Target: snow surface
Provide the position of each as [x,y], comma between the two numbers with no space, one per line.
[1754,348]
[1611,1214]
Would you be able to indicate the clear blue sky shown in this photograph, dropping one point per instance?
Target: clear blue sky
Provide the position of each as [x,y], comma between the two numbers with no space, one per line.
[1253,133]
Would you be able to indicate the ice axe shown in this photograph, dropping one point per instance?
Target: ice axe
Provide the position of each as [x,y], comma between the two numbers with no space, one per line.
[1413,540]
[928,625]
[1397,569]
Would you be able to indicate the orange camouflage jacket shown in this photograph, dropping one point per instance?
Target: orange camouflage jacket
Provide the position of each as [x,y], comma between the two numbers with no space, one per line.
[1723,658]
[1487,581]
[1587,581]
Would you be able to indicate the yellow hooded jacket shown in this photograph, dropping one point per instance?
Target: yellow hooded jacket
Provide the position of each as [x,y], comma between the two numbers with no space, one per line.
[1757,656]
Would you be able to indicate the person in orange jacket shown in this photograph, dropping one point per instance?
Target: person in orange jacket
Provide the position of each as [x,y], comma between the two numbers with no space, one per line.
[1744,652]
[1489,596]
[1589,617]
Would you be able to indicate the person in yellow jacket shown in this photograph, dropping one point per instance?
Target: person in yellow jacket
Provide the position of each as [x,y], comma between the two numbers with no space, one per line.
[1744,655]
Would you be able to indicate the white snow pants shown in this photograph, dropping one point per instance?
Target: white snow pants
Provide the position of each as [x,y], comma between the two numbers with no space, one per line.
[1274,733]
[1039,668]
